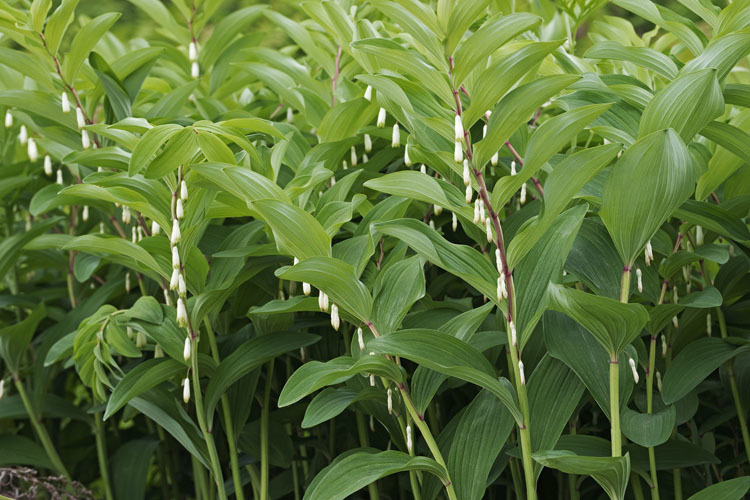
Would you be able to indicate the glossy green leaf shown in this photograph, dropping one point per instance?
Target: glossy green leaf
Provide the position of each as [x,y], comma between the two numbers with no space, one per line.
[642,56]
[648,429]
[15,339]
[396,290]
[84,42]
[612,473]
[140,379]
[731,489]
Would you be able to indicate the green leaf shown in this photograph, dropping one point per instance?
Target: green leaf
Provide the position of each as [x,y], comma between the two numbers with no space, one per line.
[514,109]
[612,473]
[714,218]
[149,145]
[494,82]
[446,354]
[722,53]
[137,257]
[19,450]
[348,474]
[731,489]
[642,56]
[84,42]
[250,355]
[474,51]
[634,211]
[11,246]
[58,23]
[648,429]
[179,150]
[15,339]
[398,287]
[140,379]
[332,402]
[297,232]
[130,466]
[694,363]
[460,260]
[337,279]
[315,375]
[614,324]
[687,105]
[346,119]
[463,15]
[548,139]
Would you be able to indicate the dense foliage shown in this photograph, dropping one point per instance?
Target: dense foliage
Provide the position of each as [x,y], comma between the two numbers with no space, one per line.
[455,249]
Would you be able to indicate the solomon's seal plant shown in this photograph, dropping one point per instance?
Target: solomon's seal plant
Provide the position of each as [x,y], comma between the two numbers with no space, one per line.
[454,249]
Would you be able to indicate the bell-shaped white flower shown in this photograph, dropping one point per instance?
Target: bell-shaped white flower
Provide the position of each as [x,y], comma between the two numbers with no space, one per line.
[368,93]
[183,191]
[469,194]
[323,301]
[134,235]
[381,118]
[8,119]
[85,141]
[523,193]
[698,236]
[494,159]
[140,340]
[182,317]
[475,220]
[306,288]
[65,102]
[335,319]
[368,143]
[407,160]
[85,213]
[174,281]
[32,150]
[186,390]
[175,258]
[458,128]
[158,351]
[195,70]
[409,440]
[126,217]
[498,261]
[181,286]
[521,373]
[179,209]
[353,156]
[396,136]
[80,120]
[513,167]
[639,278]
[59,177]
[360,339]
[2,388]
[631,361]
[513,337]
[289,115]
[664,346]
[176,235]
[192,52]
[454,221]
[47,165]
[187,350]
[488,227]
[437,209]
[23,135]
[458,152]
[390,401]
[155,228]
[708,324]
[658,380]
[648,253]
[467,173]
[675,322]
[365,158]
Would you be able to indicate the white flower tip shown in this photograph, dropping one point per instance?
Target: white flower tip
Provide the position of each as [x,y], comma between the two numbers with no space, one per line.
[32,150]
[175,258]
[176,234]
[186,390]
[458,153]
[396,136]
[155,228]
[521,372]
[488,224]
[360,339]
[469,194]
[409,440]
[192,52]
[458,128]
[181,286]
[65,102]
[368,143]
[2,388]
[335,319]
[368,93]
[85,141]
[513,336]
[80,120]
[631,361]
[187,350]
[182,318]
[195,70]
[407,160]
[59,177]
[306,288]
[639,278]
[494,159]
[390,401]
[183,191]
[513,167]
[180,209]
[174,280]
[467,173]
[381,118]
[8,119]
[523,193]
[454,222]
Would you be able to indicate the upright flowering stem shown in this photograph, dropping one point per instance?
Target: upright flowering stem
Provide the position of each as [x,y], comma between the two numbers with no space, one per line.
[614,374]
[524,428]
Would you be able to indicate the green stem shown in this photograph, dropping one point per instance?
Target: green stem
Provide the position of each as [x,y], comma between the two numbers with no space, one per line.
[254,480]
[364,441]
[101,453]
[199,478]
[40,430]
[614,405]
[677,480]
[637,490]
[265,415]
[733,385]
[515,473]
[228,427]
[650,409]
[427,435]
[201,413]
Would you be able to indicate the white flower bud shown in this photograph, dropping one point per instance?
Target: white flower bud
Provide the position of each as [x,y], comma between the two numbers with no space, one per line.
[181,286]
[195,70]
[437,209]
[2,388]
[85,141]
[59,177]
[158,351]
[639,278]
[631,361]
[360,339]
[65,102]
[475,220]
[335,320]
[648,253]
[179,210]
[523,193]
[675,322]
[500,287]
[458,153]
[186,390]
[488,225]
[289,115]
[365,158]
[23,135]
[482,215]
[32,150]
[658,380]
[47,165]
[698,236]
[368,143]
[503,288]
[8,119]
[381,118]
[469,194]
[458,127]
[521,373]
[484,131]
[396,136]
[423,169]
[80,120]
[407,160]
[323,301]
[182,317]
[454,222]
[513,338]
[390,401]
[467,173]
[187,350]
[155,228]
[176,235]
[368,93]
[498,261]
[126,218]
[306,289]
[353,156]
[183,191]
[432,223]
[664,346]
[192,52]
[85,213]
[372,384]
[175,258]
[134,235]
[513,167]
[409,441]
[494,159]
[174,280]
[140,340]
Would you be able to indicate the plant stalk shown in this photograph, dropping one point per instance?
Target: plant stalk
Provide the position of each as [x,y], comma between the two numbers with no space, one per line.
[364,441]
[101,454]
[650,409]
[265,415]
